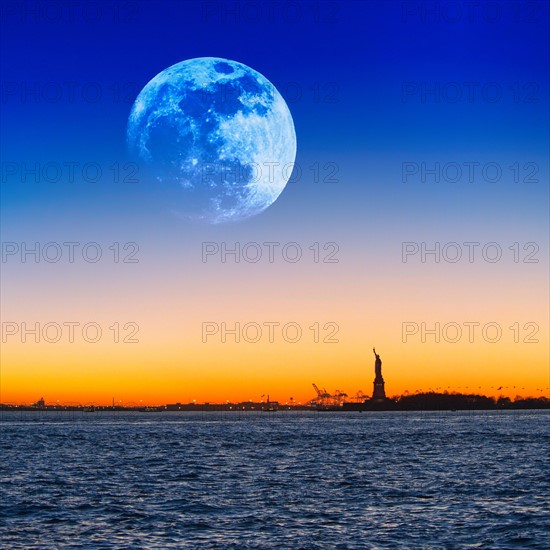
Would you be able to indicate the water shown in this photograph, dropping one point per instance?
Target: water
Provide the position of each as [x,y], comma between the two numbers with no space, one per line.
[282,480]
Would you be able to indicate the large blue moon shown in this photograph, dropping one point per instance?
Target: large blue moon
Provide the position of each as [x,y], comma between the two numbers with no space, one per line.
[218,134]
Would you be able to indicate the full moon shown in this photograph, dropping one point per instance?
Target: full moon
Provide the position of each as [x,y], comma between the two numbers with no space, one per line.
[216,132]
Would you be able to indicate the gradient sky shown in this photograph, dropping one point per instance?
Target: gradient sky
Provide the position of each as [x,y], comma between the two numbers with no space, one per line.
[352,74]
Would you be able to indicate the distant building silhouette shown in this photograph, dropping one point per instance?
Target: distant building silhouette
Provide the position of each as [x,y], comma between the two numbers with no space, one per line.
[378,392]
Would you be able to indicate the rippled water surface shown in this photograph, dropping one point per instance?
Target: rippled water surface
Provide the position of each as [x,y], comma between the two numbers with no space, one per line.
[285,480]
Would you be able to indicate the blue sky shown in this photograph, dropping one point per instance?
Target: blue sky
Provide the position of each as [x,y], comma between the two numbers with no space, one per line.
[343,68]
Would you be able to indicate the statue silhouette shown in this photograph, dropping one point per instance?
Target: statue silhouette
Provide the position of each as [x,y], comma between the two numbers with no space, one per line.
[377,365]
[379,392]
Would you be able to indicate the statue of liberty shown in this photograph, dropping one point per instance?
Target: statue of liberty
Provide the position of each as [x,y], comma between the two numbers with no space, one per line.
[379,393]
[377,365]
